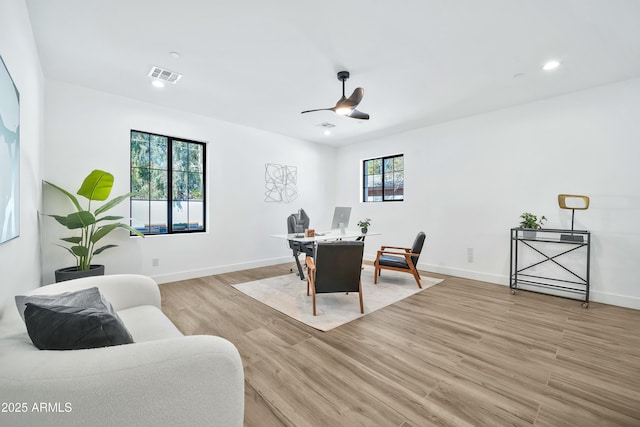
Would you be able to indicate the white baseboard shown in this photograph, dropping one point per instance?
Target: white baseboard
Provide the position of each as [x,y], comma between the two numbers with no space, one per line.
[594,296]
[220,269]
[615,299]
[467,274]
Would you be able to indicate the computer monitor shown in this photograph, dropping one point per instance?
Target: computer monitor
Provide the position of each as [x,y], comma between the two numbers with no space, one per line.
[340,216]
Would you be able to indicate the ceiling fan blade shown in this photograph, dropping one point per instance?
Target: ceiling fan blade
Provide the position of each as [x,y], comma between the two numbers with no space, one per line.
[355,114]
[346,106]
[355,98]
[341,103]
[318,109]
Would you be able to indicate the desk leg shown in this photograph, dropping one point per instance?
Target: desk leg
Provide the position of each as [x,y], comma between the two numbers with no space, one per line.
[295,256]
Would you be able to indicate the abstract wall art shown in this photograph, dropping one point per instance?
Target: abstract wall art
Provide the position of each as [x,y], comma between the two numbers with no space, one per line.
[9,156]
[281,183]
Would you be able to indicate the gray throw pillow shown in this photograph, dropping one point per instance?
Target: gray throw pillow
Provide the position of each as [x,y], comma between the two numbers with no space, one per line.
[55,327]
[84,298]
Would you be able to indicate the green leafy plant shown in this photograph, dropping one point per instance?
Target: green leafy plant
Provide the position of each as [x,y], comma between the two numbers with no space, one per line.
[364,223]
[530,220]
[93,225]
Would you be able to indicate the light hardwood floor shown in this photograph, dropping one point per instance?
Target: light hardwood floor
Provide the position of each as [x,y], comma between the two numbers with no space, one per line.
[462,353]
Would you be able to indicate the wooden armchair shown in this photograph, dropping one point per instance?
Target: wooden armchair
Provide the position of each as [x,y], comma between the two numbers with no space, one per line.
[400,259]
[336,268]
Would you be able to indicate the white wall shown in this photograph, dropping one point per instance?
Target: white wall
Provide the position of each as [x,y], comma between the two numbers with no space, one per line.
[87,130]
[20,257]
[468,181]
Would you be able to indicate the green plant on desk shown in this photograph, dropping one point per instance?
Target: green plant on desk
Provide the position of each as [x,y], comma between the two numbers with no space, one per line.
[364,224]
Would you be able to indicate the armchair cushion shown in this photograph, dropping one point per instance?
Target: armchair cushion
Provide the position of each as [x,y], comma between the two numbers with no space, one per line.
[57,327]
[393,261]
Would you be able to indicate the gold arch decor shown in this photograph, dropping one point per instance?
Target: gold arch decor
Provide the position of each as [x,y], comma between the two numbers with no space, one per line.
[573,202]
[562,201]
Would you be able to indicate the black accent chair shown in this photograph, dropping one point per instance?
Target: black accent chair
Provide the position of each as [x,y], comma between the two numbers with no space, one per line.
[336,268]
[400,259]
[297,223]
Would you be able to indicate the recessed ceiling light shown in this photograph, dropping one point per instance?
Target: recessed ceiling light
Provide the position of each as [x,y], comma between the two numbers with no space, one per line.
[518,75]
[327,132]
[157,83]
[551,65]
[175,54]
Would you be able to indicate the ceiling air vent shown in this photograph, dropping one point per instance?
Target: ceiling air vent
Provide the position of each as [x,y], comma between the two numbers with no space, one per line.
[327,125]
[164,75]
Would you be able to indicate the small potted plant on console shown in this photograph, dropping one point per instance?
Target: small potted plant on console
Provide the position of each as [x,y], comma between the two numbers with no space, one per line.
[530,223]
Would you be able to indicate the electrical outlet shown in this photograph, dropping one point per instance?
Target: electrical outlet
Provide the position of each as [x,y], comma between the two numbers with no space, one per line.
[155,262]
[469,254]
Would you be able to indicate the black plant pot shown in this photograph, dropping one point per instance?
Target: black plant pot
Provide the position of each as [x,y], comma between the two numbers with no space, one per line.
[69,273]
[364,230]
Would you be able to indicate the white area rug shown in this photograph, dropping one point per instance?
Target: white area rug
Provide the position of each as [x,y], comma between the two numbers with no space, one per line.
[288,294]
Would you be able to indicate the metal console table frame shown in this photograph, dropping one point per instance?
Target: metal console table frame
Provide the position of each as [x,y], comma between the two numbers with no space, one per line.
[573,239]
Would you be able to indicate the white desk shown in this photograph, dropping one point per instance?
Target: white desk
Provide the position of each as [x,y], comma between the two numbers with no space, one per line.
[328,235]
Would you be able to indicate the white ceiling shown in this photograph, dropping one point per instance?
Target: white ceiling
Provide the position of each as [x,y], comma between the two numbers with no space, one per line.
[259,63]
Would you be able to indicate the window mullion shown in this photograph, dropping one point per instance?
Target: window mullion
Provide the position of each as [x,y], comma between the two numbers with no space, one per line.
[384,179]
[170,184]
[149,201]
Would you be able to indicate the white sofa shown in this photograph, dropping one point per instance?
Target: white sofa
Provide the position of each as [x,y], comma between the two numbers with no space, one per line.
[163,379]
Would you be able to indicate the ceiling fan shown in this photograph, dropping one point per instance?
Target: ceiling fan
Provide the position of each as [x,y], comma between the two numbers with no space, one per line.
[346,106]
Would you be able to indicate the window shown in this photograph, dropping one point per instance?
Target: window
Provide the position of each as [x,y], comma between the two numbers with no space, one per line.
[168,184]
[383,179]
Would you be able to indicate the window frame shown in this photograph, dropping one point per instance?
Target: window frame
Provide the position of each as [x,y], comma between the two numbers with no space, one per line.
[364,176]
[169,170]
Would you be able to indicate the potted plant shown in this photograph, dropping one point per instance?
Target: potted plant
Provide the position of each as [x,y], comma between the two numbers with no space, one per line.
[92,225]
[364,225]
[530,223]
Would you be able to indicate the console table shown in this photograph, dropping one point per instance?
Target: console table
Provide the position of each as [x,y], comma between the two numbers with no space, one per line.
[551,247]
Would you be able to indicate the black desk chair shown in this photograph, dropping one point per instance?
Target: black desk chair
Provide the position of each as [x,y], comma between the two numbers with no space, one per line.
[335,268]
[400,259]
[297,223]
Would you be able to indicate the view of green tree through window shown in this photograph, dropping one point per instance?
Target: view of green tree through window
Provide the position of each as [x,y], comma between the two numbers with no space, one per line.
[383,179]
[168,184]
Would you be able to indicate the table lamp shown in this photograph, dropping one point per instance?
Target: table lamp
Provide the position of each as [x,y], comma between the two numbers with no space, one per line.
[573,202]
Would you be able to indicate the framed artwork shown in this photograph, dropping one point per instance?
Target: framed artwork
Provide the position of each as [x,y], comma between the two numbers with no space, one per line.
[9,156]
[281,183]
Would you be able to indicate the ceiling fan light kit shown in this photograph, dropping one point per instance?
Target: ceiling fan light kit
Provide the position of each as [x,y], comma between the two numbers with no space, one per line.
[346,106]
